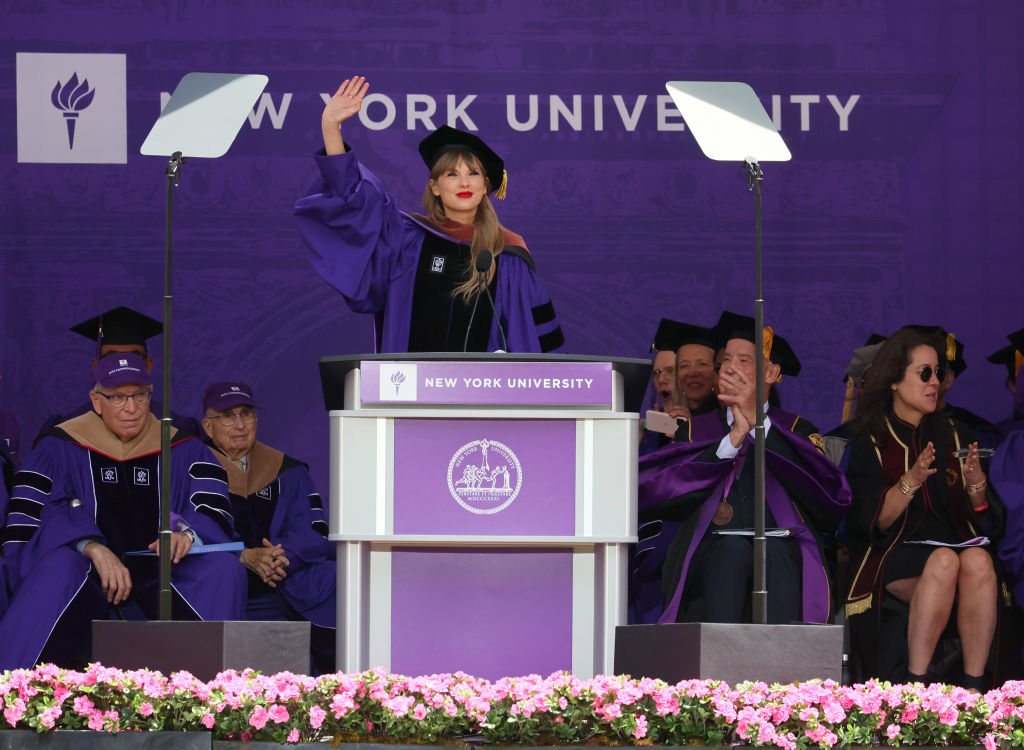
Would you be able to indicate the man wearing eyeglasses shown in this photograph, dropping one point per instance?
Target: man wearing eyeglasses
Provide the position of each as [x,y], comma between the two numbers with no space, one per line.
[126,331]
[83,523]
[280,518]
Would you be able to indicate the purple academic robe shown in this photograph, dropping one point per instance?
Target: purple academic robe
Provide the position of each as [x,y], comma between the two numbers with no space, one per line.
[1006,473]
[368,250]
[288,511]
[682,484]
[58,499]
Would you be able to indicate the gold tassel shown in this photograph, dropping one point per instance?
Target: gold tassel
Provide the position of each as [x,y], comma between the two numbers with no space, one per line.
[950,347]
[1018,362]
[769,337]
[848,401]
[503,187]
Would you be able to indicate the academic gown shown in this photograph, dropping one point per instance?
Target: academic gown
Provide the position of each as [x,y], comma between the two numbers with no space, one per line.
[81,482]
[681,486]
[941,508]
[274,499]
[1006,474]
[388,263]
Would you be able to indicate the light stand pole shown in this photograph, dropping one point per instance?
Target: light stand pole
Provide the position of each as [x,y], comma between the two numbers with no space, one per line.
[759,601]
[172,172]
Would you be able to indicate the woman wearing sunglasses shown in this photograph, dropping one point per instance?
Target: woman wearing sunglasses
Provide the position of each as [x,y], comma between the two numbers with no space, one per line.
[921,525]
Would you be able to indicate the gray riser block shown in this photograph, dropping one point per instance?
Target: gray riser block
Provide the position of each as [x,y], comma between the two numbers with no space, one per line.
[733,653]
[202,648]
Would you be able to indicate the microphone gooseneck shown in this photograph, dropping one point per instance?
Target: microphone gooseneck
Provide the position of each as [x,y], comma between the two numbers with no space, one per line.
[482,266]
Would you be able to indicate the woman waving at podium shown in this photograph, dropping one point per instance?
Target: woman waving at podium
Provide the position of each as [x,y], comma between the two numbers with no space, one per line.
[423,276]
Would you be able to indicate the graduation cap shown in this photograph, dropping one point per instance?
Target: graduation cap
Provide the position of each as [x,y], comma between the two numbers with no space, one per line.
[1012,355]
[672,334]
[120,326]
[777,349]
[954,350]
[863,356]
[446,139]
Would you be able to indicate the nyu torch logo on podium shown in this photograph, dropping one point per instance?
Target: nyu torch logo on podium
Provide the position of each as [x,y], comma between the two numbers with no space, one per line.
[485,476]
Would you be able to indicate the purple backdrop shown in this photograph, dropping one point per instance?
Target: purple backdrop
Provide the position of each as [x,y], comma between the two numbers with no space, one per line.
[900,205]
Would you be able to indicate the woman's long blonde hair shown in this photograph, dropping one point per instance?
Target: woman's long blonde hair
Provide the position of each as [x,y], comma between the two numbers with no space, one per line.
[488,234]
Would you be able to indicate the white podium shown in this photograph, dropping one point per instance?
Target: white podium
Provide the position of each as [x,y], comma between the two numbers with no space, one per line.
[483,506]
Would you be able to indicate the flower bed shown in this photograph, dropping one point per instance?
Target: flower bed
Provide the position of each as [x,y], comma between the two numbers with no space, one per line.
[378,707]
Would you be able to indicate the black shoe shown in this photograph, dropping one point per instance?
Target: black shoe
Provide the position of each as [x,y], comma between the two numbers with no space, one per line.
[972,683]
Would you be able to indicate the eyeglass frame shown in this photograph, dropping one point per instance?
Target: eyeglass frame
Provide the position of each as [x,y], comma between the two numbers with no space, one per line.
[939,371]
[244,414]
[113,398]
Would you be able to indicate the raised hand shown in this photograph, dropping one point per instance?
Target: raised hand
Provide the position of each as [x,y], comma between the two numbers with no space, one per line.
[972,466]
[347,101]
[922,468]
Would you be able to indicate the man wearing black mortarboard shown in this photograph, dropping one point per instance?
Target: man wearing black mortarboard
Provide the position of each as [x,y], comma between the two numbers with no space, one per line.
[702,490]
[1011,356]
[124,330]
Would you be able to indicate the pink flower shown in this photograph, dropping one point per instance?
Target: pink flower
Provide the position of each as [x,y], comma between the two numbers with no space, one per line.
[208,720]
[14,713]
[96,721]
[419,712]
[246,736]
[316,717]
[990,742]
[82,705]
[146,708]
[892,730]
[641,727]
[949,715]
[293,736]
[258,718]
[278,713]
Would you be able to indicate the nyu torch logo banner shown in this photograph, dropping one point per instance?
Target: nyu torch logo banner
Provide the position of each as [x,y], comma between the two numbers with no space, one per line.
[71,108]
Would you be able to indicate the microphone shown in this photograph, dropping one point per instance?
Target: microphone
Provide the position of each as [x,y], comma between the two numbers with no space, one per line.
[485,259]
[483,264]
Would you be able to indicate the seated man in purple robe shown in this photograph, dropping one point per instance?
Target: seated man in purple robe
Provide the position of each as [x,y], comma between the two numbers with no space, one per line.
[83,523]
[279,517]
[701,490]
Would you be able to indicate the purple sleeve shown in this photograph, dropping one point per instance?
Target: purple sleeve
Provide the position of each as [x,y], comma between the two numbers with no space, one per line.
[358,240]
[525,311]
[677,470]
[199,487]
[1007,476]
[812,477]
[300,521]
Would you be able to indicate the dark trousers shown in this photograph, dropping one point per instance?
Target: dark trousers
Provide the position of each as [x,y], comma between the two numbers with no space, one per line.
[721,573]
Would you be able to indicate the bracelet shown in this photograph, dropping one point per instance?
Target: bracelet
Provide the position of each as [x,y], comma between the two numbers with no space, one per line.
[977,489]
[905,487]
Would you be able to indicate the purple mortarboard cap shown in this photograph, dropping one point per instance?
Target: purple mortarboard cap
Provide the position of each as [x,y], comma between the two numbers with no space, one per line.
[118,368]
[227,395]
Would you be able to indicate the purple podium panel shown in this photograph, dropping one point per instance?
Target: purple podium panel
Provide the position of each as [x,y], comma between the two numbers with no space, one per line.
[470,383]
[489,612]
[477,476]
